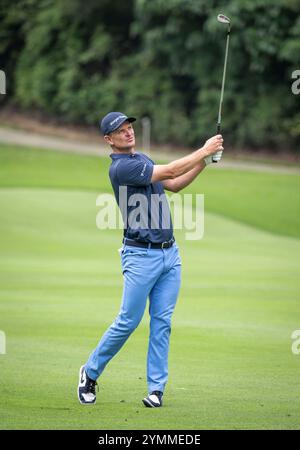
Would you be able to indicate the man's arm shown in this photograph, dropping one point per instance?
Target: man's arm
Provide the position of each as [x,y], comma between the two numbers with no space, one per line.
[184,180]
[183,165]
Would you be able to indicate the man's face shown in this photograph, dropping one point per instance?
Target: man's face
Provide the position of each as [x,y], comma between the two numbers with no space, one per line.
[123,138]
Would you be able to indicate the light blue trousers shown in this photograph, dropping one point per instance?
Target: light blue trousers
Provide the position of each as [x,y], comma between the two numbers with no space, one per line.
[153,273]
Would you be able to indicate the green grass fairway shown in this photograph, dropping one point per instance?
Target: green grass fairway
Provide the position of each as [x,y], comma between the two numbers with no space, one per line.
[231,364]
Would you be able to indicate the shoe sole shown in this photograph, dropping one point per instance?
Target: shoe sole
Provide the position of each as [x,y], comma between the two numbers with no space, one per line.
[149,404]
[83,403]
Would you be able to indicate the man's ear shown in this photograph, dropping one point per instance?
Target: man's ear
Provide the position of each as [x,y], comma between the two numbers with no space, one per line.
[108,139]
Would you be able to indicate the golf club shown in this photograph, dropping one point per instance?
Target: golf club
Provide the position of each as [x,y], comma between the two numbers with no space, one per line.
[223,19]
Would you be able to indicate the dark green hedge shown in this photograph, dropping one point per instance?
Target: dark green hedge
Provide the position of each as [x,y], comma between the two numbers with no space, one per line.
[79,59]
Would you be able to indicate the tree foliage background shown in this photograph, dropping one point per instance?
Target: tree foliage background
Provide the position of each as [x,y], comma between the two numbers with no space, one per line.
[77,60]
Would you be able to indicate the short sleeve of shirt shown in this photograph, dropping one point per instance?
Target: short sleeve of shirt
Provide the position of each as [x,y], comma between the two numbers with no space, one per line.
[135,172]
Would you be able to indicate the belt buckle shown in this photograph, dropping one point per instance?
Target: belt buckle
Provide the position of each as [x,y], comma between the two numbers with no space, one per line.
[162,245]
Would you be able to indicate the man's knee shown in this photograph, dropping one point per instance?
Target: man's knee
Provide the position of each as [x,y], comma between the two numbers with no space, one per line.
[127,324]
[160,325]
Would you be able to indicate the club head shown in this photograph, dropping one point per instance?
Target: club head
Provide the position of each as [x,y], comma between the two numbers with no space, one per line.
[223,19]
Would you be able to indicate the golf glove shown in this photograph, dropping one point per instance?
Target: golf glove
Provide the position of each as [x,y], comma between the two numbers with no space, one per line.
[217,156]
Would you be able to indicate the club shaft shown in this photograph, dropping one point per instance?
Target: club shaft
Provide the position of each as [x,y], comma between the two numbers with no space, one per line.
[223,82]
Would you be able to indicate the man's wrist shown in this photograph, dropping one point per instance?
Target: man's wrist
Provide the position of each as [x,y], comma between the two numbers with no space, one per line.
[203,153]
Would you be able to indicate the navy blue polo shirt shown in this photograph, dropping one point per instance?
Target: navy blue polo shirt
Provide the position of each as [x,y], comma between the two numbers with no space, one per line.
[144,206]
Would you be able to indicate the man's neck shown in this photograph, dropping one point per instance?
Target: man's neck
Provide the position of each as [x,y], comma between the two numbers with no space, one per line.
[128,150]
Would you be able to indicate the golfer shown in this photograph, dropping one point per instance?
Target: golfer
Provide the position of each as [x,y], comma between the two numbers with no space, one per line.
[150,260]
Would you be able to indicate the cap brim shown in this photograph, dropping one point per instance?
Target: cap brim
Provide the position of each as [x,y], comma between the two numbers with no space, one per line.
[128,119]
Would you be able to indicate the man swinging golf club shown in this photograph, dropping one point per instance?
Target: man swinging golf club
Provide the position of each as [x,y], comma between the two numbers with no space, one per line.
[151,263]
